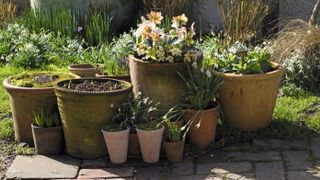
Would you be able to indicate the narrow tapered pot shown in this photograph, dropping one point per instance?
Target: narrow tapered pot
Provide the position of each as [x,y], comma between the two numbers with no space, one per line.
[150,144]
[48,140]
[174,151]
[203,128]
[117,145]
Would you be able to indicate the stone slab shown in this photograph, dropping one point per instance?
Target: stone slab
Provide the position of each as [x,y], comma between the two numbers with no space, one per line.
[185,167]
[148,173]
[297,160]
[239,176]
[43,167]
[192,177]
[214,156]
[279,144]
[106,173]
[254,156]
[94,163]
[303,175]
[224,168]
[270,170]
[315,147]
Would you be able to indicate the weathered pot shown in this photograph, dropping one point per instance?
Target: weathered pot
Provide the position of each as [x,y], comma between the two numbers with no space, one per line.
[150,144]
[48,140]
[203,128]
[159,81]
[24,102]
[86,70]
[119,77]
[83,113]
[117,145]
[248,101]
[174,151]
[134,147]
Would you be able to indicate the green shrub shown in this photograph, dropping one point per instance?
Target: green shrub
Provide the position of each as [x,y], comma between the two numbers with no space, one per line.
[6,128]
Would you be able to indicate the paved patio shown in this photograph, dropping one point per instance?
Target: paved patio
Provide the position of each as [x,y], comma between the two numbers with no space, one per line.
[261,159]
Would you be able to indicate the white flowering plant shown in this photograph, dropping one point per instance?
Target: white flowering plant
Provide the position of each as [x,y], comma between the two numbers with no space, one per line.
[162,45]
[202,86]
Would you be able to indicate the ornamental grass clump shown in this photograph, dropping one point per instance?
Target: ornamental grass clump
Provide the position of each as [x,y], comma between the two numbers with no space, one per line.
[155,44]
[7,10]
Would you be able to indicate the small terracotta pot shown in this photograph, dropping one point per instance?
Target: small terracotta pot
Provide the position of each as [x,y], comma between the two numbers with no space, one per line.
[119,77]
[150,144]
[174,151]
[86,70]
[117,145]
[134,148]
[203,129]
[48,140]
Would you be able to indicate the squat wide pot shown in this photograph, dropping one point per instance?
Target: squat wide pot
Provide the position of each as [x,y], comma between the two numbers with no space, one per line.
[174,151]
[84,113]
[248,101]
[24,102]
[150,144]
[86,70]
[117,145]
[48,140]
[159,81]
[203,128]
[118,77]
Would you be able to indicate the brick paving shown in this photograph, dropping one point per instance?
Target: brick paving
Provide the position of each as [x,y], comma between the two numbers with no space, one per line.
[271,159]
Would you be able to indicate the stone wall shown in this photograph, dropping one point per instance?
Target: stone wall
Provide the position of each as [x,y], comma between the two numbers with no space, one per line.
[290,9]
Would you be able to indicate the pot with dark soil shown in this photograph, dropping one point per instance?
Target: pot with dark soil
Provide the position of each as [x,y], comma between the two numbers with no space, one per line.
[28,92]
[47,132]
[86,70]
[86,105]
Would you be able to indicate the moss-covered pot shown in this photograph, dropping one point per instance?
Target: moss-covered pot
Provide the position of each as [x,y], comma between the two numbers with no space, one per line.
[248,101]
[84,113]
[48,140]
[24,101]
[159,81]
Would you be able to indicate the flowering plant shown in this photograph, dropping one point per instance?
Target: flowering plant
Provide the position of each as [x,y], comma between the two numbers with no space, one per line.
[157,44]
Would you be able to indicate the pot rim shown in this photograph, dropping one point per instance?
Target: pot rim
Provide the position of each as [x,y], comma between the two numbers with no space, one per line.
[38,127]
[279,70]
[133,57]
[61,89]
[115,132]
[73,67]
[111,76]
[176,142]
[146,131]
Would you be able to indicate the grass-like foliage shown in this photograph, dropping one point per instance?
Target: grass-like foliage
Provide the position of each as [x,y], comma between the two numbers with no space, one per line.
[6,128]
[46,118]
[8,11]
[297,47]
[243,18]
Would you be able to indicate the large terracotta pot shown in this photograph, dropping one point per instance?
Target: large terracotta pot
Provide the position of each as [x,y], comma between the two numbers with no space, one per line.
[159,81]
[83,113]
[117,145]
[174,151]
[203,128]
[150,144]
[48,140]
[248,101]
[24,102]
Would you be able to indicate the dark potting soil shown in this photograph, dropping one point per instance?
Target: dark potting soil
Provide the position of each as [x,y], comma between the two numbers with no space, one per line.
[93,85]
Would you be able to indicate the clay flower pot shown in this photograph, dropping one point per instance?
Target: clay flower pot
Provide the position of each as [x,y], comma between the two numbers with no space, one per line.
[48,140]
[117,145]
[118,77]
[248,101]
[150,144]
[86,70]
[134,147]
[83,113]
[174,151]
[203,128]
[159,81]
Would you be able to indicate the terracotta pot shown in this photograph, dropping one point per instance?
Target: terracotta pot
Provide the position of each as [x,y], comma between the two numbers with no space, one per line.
[48,140]
[86,70]
[248,101]
[120,77]
[134,148]
[159,81]
[203,128]
[83,113]
[174,151]
[117,145]
[150,144]
[24,102]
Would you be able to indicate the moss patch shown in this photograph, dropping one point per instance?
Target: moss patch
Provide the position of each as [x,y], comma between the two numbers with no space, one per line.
[39,79]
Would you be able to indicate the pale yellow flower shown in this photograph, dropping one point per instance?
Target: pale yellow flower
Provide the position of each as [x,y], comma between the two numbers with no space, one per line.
[175,51]
[170,59]
[179,21]
[155,17]
[187,57]
[145,28]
